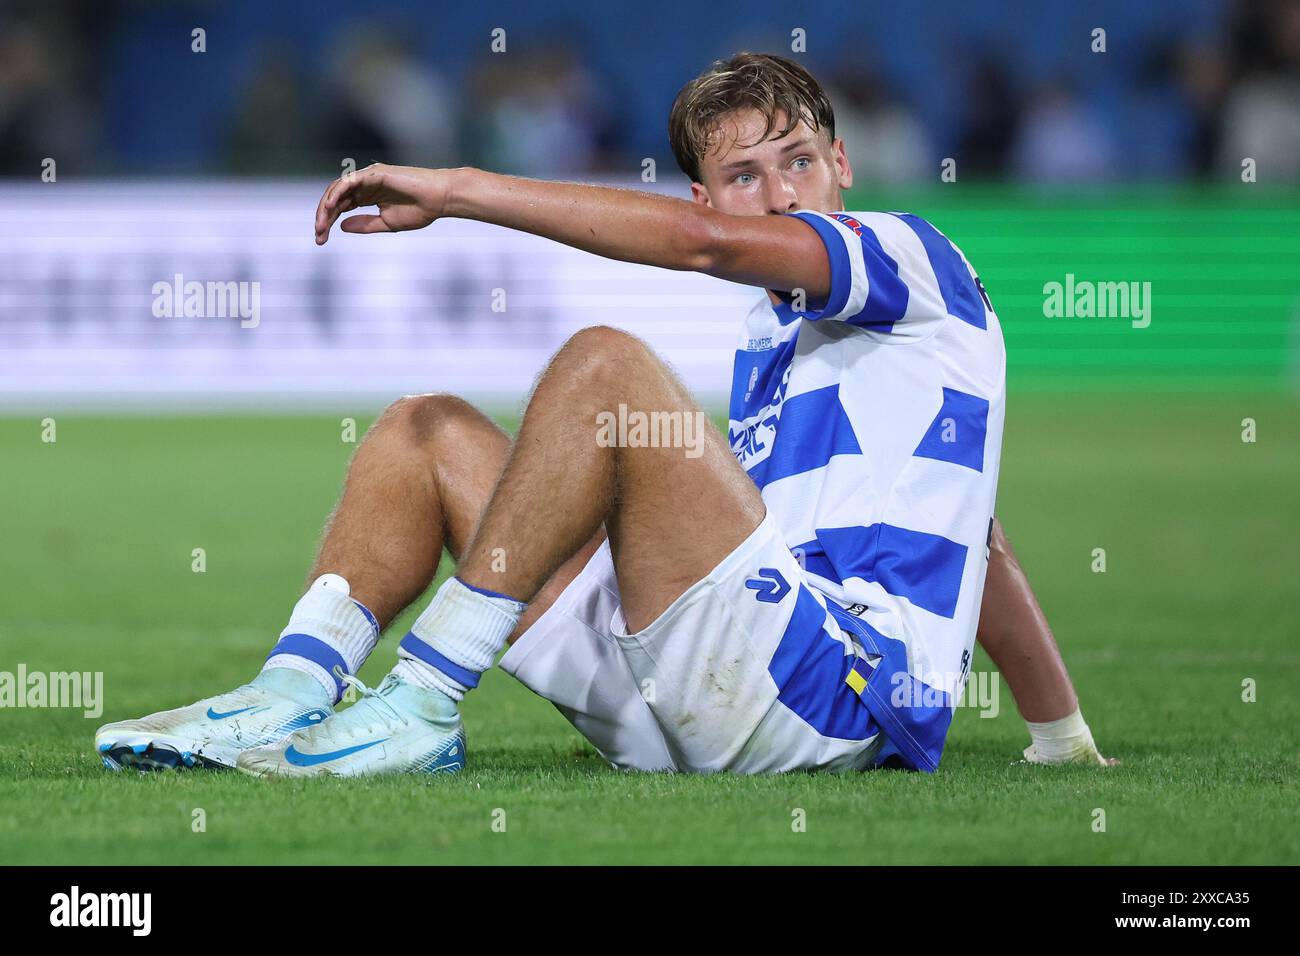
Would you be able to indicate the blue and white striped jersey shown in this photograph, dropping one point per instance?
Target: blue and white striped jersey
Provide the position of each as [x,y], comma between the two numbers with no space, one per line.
[873,427]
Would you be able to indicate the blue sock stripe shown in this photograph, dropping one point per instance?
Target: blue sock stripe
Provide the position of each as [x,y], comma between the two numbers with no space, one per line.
[374,624]
[492,594]
[414,646]
[315,650]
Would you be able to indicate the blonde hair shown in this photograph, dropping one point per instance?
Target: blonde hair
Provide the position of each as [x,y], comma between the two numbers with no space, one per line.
[770,84]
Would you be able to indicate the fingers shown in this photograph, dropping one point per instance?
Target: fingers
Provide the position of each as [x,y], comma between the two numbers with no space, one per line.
[364,224]
[344,194]
[323,218]
[331,205]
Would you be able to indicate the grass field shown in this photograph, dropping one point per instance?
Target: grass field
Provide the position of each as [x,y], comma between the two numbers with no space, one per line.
[1202,539]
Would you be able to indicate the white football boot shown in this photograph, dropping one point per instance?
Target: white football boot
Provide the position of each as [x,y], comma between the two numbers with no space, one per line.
[214,731]
[394,728]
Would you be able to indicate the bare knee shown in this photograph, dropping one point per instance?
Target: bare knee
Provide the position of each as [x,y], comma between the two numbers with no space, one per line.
[601,342]
[601,355]
[435,418]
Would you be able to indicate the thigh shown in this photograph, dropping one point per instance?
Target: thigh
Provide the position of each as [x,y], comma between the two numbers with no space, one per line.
[683,501]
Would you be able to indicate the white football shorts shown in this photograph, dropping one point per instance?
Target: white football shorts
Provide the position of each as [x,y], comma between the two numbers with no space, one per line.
[745,672]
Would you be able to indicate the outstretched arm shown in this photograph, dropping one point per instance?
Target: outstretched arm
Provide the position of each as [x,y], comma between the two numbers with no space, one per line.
[772,252]
[1014,632]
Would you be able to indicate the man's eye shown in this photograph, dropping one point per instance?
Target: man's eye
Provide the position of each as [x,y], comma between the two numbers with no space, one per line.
[744,179]
[803,162]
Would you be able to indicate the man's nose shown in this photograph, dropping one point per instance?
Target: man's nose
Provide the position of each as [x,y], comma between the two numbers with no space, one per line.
[781,196]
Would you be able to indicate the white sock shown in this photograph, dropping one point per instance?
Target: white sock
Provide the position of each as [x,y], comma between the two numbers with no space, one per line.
[457,638]
[1059,741]
[327,628]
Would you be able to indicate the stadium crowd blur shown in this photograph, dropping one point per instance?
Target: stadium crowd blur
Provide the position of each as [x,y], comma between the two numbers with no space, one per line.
[1175,104]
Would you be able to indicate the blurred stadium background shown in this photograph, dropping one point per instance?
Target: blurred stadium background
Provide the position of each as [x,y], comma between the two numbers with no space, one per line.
[1123,165]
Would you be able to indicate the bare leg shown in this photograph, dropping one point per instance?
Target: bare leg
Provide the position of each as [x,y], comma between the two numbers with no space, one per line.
[425,472]
[1014,632]
[418,483]
[671,518]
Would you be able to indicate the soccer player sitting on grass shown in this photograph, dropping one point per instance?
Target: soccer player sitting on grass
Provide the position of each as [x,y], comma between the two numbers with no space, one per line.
[804,595]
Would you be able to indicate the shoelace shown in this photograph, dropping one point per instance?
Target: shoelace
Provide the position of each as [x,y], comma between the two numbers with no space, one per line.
[374,694]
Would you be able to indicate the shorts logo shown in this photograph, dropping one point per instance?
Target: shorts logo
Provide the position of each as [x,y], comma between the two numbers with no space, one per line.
[770,584]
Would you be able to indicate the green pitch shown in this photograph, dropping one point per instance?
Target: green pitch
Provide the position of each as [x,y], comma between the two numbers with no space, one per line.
[1199,595]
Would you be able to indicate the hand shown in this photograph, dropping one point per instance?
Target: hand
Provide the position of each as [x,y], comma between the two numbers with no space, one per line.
[1085,753]
[408,198]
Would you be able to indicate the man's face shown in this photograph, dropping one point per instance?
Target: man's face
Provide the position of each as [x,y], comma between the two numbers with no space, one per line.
[802,170]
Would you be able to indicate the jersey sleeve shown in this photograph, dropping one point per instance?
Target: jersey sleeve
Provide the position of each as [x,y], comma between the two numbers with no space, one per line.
[893,274]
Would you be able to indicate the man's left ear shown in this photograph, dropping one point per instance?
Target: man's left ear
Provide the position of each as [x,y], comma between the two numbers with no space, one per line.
[842,167]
